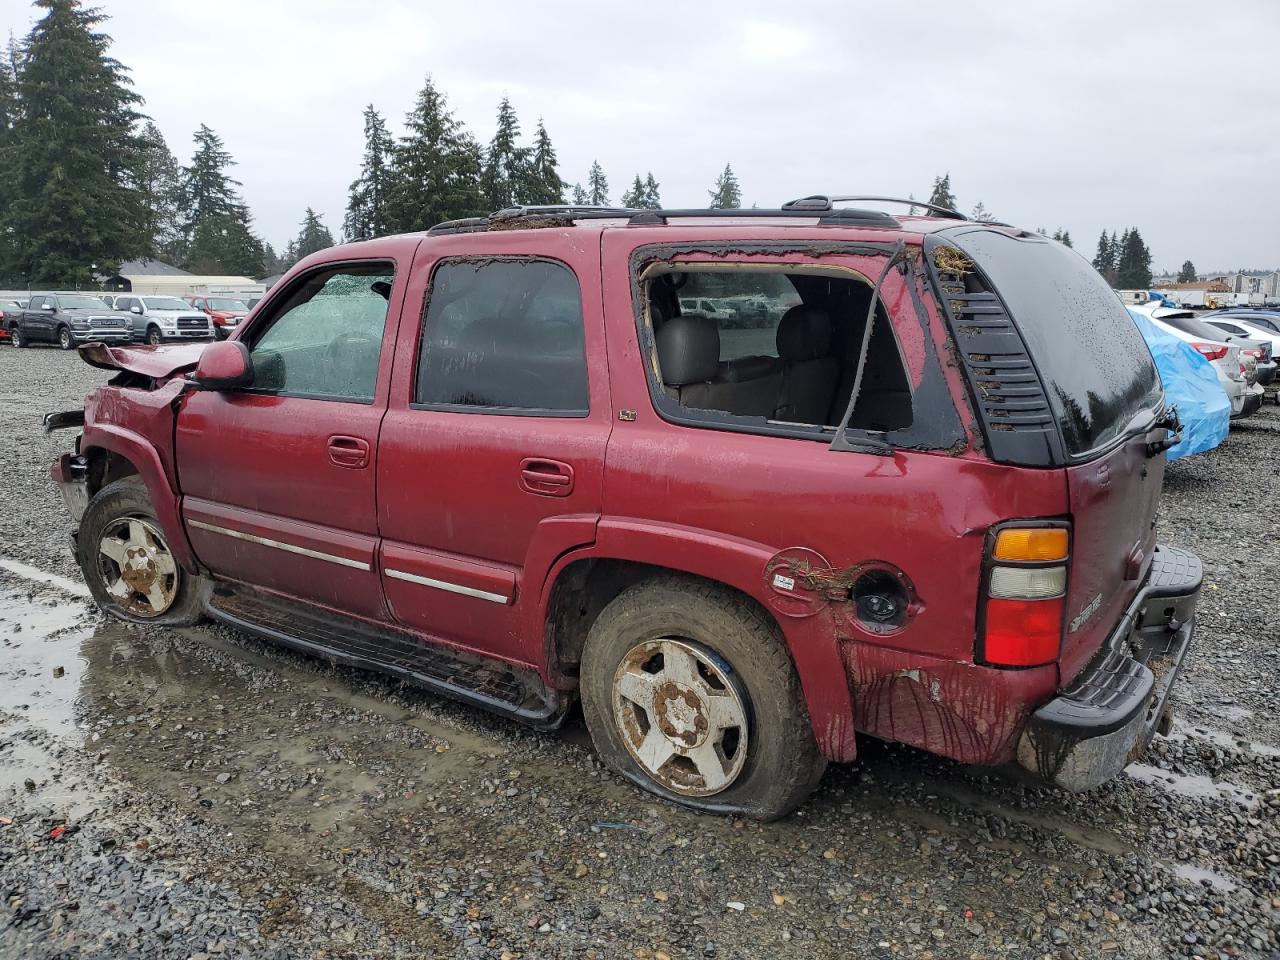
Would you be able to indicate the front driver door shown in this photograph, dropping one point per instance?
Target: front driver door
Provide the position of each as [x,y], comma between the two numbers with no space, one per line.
[278,479]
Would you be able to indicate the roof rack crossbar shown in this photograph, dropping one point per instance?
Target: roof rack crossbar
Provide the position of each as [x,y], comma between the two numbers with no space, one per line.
[822,202]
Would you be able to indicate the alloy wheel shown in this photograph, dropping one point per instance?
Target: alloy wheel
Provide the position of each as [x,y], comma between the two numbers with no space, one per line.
[682,715]
[136,567]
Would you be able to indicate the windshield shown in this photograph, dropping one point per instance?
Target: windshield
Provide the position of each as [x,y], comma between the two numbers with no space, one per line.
[81,303]
[222,303]
[1094,363]
[165,303]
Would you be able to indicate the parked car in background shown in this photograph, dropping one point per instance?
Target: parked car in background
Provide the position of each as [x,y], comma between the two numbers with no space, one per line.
[225,312]
[1252,349]
[69,318]
[707,307]
[1239,326]
[1237,375]
[1267,319]
[539,479]
[10,311]
[1191,385]
[157,319]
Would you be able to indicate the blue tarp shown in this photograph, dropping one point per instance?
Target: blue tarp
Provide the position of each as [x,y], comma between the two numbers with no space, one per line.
[1190,384]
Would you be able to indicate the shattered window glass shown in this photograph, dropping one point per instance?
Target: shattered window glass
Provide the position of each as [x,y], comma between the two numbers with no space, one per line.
[327,339]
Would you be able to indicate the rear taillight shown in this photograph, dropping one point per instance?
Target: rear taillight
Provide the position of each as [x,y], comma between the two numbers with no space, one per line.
[1210,351]
[1024,595]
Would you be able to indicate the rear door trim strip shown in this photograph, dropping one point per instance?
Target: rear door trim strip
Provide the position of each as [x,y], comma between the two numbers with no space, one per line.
[445,585]
[279,545]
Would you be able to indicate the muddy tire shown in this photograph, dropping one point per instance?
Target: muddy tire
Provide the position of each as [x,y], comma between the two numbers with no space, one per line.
[688,692]
[127,563]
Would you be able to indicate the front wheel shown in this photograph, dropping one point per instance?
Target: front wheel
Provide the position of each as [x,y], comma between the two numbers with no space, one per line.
[689,692]
[127,563]
[65,340]
[16,337]
[153,336]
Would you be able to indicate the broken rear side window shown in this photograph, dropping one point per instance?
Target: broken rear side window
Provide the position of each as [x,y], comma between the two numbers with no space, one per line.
[774,347]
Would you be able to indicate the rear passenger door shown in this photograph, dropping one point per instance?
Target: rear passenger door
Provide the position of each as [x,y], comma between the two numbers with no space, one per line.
[491,459]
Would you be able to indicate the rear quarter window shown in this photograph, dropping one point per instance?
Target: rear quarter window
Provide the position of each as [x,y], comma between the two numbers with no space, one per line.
[1096,367]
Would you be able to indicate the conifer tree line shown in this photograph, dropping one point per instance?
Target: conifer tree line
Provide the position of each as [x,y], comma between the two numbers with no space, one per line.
[1124,261]
[90,181]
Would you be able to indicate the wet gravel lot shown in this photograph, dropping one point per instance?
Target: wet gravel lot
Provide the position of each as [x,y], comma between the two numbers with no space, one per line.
[197,793]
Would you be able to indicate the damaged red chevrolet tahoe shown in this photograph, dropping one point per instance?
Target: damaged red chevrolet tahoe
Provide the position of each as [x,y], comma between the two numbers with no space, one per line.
[904,483]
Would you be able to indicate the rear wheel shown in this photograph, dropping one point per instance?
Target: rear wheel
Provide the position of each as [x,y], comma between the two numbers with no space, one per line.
[65,340]
[688,691]
[127,563]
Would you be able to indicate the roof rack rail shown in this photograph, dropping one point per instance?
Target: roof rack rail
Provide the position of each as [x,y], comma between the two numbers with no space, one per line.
[826,216]
[822,202]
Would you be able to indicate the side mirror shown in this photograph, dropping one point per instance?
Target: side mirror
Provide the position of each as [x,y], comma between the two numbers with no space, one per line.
[224,365]
[50,307]
[135,310]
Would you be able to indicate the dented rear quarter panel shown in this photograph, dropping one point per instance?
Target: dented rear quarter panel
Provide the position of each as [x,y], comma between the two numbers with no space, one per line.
[751,497]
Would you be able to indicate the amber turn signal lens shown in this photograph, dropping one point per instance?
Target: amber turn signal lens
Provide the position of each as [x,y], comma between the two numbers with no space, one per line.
[1031,544]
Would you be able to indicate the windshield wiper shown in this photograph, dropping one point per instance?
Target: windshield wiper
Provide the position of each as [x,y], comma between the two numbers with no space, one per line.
[861,442]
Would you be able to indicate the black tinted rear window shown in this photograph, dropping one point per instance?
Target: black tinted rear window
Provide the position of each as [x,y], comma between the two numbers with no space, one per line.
[1095,365]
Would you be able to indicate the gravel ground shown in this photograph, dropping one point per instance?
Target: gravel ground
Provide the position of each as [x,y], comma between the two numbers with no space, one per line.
[196,793]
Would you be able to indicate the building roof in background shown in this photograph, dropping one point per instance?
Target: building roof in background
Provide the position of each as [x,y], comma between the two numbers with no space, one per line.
[149,268]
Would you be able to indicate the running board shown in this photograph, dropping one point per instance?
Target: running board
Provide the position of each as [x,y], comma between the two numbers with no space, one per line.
[491,684]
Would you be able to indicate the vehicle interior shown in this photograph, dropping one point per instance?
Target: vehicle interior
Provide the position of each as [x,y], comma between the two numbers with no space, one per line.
[784,347]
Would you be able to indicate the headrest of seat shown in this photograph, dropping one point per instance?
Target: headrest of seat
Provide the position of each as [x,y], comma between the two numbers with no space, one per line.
[688,350]
[804,334]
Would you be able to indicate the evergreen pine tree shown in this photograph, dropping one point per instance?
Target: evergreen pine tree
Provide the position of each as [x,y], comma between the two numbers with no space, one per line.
[436,168]
[634,197]
[942,195]
[367,196]
[652,201]
[505,162]
[727,194]
[8,118]
[580,197]
[543,183]
[1065,239]
[1188,272]
[312,236]
[160,184]
[1133,269]
[980,215]
[72,158]
[597,186]
[216,235]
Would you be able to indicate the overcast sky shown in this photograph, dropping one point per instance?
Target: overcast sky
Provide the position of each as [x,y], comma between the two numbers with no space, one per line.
[1080,115]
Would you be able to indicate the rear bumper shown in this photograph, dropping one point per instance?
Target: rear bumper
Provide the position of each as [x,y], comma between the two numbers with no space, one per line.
[1250,403]
[1105,719]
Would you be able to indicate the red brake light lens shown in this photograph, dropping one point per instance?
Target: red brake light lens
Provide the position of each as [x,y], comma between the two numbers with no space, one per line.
[1210,351]
[1023,633]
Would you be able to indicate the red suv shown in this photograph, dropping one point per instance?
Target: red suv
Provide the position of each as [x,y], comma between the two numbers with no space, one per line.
[902,484]
[225,312]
